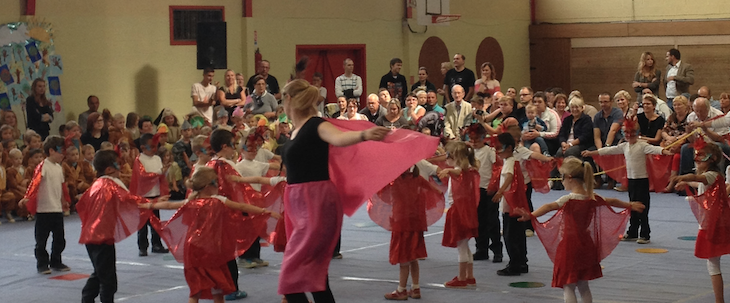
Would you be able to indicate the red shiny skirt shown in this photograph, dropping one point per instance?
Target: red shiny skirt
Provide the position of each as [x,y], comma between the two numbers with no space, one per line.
[407,246]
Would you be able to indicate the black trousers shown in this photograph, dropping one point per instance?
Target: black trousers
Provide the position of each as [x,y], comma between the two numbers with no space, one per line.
[142,243]
[45,224]
[233,269]
[639,191]
[253,252]
[103,281]
[324,296]
[515,241]
[528,194]
[337,247]
[488,214]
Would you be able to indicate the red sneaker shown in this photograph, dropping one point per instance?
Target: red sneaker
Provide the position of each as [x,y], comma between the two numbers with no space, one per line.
[455,283]
[415,293]
[395,295]
[471,282]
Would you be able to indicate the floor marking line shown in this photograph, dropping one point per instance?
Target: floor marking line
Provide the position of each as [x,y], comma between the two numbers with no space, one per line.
[152,293]
[386,243]
[386,280]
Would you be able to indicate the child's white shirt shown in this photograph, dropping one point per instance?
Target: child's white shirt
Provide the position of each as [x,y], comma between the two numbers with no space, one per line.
[252,168]
[50,189]
[571,196]
[523,154]
[507,168]
[635,155]
[486,157]
[152,164]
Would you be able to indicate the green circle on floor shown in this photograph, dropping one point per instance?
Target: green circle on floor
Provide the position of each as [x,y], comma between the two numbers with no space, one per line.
[168,257]
[652,250]
[688,238]
[527,284]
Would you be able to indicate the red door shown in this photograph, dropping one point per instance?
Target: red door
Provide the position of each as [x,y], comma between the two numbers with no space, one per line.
[328,60]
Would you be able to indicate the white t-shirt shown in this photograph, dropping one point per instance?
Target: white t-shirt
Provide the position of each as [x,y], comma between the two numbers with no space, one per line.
[50,191]
[153,165]
[426,169]
[252,168]
[264,155]
[116,180]
[507,168]
[486,157]
[635,155]
[323,93]
[711,178]
[204,93]
[571,196]
[523,154]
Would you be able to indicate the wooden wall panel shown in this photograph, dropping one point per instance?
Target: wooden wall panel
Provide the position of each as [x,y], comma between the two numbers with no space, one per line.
[550,63]
[595,70]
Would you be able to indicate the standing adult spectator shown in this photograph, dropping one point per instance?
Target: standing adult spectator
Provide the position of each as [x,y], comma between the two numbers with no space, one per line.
[348,84]
[317,82]
[373,110]
[96,131]
[423,83]
[576,133]
[239,81]
[680,75]
[488,83]
[394,82]
[650,123]
[272,85]
[647,76]
[432,103]
[456,113]
[263,102]
[445,68]
[704,92]
[93,103]
[459,75]
[551,119]
[230,94]
[38,109]
[203,94]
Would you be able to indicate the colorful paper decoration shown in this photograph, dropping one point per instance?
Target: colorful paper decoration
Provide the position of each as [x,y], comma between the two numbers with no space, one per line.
[55,67]
[6,55]
[54,86]
[33,52]
[4,101]
[5,75]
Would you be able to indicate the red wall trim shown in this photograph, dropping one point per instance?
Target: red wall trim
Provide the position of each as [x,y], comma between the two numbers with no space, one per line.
[29,8]
[173,8]
[247,8]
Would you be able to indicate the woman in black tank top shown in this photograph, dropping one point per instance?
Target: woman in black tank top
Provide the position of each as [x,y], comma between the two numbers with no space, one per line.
[311,203]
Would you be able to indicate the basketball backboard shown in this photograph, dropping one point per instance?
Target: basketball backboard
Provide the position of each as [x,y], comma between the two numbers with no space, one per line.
[433,12]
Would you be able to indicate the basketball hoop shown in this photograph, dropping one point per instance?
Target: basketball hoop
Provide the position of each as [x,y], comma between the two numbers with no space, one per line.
[444,18]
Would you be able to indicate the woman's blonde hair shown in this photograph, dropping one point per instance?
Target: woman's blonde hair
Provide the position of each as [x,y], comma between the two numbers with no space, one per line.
[462,154]
[202,177]
[397,104]
[304,97]
[448,65]
[622,93]
[647,72]
[577,169]
[681,100]
[577,101]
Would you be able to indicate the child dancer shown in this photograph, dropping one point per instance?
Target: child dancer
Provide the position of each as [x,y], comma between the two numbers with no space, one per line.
[206,245]
[462,222]
[46,198]
[580,243]
[635,152]
[148,180]
[109,214]
[711,209]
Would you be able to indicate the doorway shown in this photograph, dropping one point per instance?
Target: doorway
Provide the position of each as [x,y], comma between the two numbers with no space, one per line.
[328,59]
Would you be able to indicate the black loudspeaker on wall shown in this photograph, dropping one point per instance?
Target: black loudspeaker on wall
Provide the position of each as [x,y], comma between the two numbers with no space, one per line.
[212,49]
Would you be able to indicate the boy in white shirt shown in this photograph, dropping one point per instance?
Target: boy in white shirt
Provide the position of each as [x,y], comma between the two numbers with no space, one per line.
[49,199]
[148,180]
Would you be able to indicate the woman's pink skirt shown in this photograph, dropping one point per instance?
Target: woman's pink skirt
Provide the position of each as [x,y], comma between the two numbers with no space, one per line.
[313,214]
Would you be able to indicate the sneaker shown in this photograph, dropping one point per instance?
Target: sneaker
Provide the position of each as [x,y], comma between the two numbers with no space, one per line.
[246,263]
[626,237]
[620,189]
[160,250]
[399,296]
[44,270]
[239,294]
[480,255]
[529,233]
[10,217]
[337,256]
[261,263]
[30,218]
[455,283]
[60,267]
[509,271]
[643,241]
[471,282]
[143,253]
[415,293]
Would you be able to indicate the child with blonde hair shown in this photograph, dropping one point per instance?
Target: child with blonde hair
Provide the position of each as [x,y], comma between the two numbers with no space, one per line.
[577,238]
[462,222]
[15,183]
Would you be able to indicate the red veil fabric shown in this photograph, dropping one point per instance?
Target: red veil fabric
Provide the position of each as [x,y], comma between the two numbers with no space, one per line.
[658,167]
[713,213]
[142,181]
[235,191]
[539,174]
[461,219]
[32,192]
[516,196]
[109,213]
[493,186]
[407,206]
[207,233]
[579,236]
[359,171]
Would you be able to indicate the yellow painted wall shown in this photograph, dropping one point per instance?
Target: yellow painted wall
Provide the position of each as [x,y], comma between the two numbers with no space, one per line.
[120,50]
[573,11]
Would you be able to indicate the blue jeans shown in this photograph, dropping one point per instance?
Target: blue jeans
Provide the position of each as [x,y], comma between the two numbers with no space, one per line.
[540,141]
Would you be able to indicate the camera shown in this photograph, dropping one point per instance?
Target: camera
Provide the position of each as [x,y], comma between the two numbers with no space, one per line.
[479,112]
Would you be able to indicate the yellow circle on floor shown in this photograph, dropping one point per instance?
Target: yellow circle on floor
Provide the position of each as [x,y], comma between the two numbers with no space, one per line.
[651,250]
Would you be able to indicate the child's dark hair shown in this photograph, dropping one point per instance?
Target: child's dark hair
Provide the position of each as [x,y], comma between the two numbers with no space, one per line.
[104,159]
[507,140]
[32,152]
[715,158]
[218,138]
[413,172]
[53,142]
[6,143]
[145,140]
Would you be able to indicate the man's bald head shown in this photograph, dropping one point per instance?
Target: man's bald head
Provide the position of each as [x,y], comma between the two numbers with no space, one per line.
[701,106]
[704,92]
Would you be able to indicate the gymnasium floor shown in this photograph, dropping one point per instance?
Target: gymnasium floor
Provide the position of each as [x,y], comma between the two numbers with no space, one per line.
[364,274]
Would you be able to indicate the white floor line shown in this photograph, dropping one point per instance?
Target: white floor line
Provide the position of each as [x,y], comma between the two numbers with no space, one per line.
[384,244]
[151,293]
[385,280]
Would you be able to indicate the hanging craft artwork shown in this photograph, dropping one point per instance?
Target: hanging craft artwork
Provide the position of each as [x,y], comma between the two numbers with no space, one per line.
[27,53]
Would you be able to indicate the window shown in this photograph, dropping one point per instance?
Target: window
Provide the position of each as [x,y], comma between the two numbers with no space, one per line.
[184,21]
